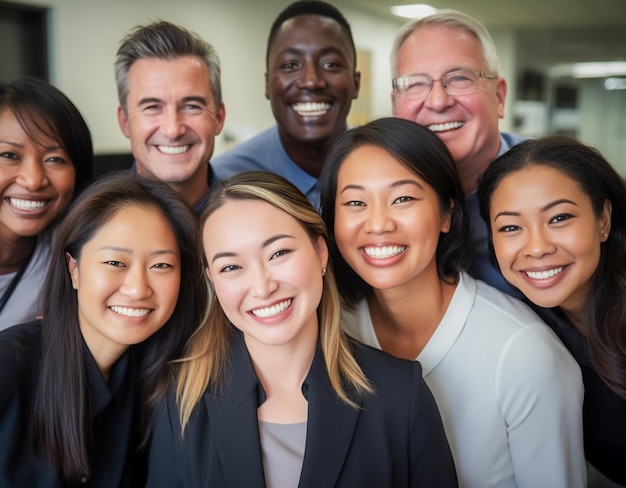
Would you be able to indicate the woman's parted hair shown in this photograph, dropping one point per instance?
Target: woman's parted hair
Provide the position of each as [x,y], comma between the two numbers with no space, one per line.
[61,426]
[605,310]
[40,108]
[206,356]
[423,154]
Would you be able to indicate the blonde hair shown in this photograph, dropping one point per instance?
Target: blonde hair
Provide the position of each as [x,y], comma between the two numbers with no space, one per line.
[205,362]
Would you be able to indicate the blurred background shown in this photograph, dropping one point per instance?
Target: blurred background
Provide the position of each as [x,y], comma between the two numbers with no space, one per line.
[564,60]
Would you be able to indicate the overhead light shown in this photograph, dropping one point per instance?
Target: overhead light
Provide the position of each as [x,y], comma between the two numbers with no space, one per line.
[600,69]
[615,84]
[414,11]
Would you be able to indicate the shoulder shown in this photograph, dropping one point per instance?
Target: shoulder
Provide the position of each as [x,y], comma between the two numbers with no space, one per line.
[246,156]
[518,333]
[20,349]
[510,139]
[20,340]
[390,376]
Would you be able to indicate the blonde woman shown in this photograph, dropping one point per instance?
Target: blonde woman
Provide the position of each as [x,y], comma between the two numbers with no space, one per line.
[271,392]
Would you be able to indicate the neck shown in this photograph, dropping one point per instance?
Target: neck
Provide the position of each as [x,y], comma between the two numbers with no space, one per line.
[404,325]
[194,189]
[282,370]
[470,170]
[15,252]
[308,156]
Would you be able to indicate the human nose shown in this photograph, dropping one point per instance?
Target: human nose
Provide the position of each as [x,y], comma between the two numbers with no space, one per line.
[438,98]
[136,284]
[378,220]
[538,243]
[172,124]
[311,77]
[32,175]
[262,283]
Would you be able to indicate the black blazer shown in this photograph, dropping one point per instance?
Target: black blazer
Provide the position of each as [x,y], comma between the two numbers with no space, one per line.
[396,439]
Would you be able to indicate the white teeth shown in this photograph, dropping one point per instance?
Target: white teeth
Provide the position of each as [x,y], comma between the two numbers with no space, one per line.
[384,252]
[311,109]
[446,126]
[174,149]
[273,310]
[27,204]
[544,275]
[131,312]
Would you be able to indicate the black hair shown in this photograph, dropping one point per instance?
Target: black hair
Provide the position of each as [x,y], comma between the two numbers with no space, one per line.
[309,7]
[605,306]
[423,154]
[41,108]
[61,423]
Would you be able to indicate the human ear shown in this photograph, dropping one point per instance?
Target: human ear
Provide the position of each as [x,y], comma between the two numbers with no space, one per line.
[605,220]
[72,266]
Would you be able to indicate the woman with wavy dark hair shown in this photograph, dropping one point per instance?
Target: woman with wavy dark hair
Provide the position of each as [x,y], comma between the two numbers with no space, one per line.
[123,293]
[393,203]
[556,211]
[45,158]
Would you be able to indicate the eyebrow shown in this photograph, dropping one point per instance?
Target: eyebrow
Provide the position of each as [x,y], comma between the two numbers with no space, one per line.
[548,206]
[265,243]
[294,50]
[125,250]
[21,146]
[198,99]
[395,184]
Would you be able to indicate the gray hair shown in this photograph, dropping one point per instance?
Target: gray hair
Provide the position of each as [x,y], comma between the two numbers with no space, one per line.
[164,40]
[454,20]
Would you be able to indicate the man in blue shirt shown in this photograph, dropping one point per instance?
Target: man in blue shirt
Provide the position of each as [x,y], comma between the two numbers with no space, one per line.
[446,78]
[311,80]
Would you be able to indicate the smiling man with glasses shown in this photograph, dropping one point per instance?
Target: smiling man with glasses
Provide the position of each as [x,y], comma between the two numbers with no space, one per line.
[446,78]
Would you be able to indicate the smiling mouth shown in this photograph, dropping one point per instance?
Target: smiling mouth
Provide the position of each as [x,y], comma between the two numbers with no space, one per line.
[22,204]
[384,252]
[130,312]
[311,109]
[174,149]
[277,309]
[446,126]
[544,275]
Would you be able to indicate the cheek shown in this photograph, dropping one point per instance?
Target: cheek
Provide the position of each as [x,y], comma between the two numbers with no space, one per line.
[229,293]
[345,230]
[505,251]
[407,109]
[170,290]
[64,182]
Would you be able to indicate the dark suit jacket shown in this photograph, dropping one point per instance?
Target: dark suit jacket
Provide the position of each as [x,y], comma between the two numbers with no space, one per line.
[396,439]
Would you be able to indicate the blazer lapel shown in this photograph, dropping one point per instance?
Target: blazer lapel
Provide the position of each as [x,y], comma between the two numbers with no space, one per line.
[233,419]
[331,424]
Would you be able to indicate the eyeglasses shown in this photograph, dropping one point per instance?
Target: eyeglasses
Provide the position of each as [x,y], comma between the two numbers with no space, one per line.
[457,82]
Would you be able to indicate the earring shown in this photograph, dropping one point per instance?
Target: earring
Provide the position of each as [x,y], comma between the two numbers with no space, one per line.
[606,235]
[323,271]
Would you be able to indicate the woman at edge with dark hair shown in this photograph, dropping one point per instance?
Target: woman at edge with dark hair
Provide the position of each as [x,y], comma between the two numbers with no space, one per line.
[510,395]
[46,157]
[123,293]
[556,212]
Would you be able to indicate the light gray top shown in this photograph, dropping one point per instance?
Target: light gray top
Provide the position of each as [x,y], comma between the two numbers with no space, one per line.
[282,446]
[24,304]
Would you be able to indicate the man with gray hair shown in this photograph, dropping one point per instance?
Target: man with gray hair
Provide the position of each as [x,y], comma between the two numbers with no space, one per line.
[446,77]
[171,109]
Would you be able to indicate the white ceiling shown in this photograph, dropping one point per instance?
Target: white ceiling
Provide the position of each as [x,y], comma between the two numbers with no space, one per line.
[579,30]
[522,13]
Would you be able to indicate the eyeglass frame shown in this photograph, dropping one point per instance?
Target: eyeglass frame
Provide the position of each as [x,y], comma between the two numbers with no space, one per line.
[479,74]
